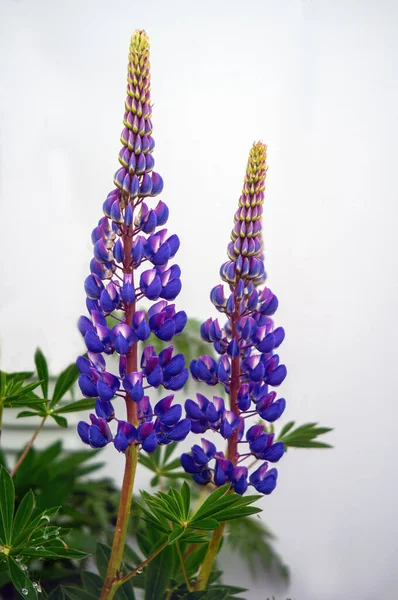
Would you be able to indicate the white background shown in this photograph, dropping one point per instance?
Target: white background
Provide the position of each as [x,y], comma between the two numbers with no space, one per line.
[316,81]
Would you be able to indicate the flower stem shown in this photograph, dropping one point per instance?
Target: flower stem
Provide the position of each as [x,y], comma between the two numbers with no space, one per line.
[28,446]
[184,569]
[232,454]
[209,559]
[115,561]
[139,568]
[1,416]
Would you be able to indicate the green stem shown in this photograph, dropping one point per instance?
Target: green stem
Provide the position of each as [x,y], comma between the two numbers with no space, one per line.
[232,455]
[184,569]
[28,446]
[1,417]
[209,559]
[115,561]
[138,569]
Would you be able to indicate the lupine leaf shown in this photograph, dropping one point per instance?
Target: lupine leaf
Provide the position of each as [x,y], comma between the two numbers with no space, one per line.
[186,498]
[158,574]
[91,582]
[3,379]
[253,541]
[64,382]
[61,421]
[83,404]
[23,514]
[238,513]
[286,428]
[20,580]
[303,436]
[207,524]
[176,533]
[7,495]
[74,593]
[168,451]
[102,555]
[42,371]
[212,499]
[29,413]
[57,594]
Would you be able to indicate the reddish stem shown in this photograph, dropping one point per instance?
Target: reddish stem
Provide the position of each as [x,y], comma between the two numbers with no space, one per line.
[112,580]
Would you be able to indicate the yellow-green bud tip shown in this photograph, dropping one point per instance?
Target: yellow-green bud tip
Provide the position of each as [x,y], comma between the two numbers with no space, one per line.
[139,42]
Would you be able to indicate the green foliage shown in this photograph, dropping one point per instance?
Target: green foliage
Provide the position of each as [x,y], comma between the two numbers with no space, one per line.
[159,463]
[253,541]
[18,394]
[171,513]
[27,534]
[303,436]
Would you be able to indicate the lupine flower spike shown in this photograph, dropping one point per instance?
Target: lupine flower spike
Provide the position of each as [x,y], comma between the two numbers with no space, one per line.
[248,367]
[132,250]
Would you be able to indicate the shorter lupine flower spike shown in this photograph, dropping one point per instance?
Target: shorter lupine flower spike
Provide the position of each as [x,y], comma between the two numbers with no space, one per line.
[247,366]
[132,261]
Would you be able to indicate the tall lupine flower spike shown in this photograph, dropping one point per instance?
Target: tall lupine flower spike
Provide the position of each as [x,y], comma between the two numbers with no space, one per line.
[131,255]
[248,367]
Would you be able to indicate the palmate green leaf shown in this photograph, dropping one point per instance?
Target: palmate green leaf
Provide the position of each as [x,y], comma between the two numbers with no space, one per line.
[29,413]
[286,428]
[92,582]
[61,421]
[175,535]
[168,451]
[303,436]
[42,371]
[171,466]
[253,541]
[23,514]
[3,379]
[20,580]
[57,594]
[159,523]
[64,382]
[35,525]
[195,559]
[102,556]
[159,572]
[83,404]
[7,498]
[211,501]
[52,549]
[74,593]
[186,499]
[238,513]
[207,524]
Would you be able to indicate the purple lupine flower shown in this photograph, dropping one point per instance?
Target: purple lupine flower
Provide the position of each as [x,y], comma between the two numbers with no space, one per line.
[132,251]
[248,366]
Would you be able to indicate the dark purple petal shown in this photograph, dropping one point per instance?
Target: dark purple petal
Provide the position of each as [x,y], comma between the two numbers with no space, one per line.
[172,289]
[199,455]
[177,383]
[193,411]
[275,452]
[274,411]
[156,377]
[93,342]
[104,409]
[96,437]
[82,430]
[93,286]
[180,431]
[277,376]
[150,443]
[188,464]
[87,386]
